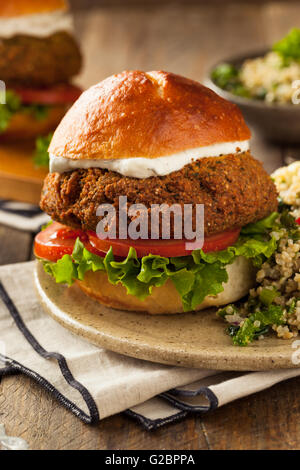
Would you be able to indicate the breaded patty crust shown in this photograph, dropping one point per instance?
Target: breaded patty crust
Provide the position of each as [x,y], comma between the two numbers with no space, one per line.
[33,61]
[235,190]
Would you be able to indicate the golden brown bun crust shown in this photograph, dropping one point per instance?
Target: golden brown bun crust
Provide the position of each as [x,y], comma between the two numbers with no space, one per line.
[25,126]
[146,114]
[10,8]
[165,299]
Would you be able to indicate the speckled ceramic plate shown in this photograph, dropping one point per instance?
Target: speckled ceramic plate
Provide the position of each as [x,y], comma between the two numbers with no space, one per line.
[190,340]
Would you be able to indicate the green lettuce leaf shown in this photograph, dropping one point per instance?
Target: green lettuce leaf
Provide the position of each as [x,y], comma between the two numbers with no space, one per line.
[84,260]
[64,270]
[250,248]
[262,226]
[41,155]
[208,281]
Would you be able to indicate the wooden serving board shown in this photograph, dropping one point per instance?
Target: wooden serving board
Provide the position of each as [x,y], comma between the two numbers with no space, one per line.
[20,180]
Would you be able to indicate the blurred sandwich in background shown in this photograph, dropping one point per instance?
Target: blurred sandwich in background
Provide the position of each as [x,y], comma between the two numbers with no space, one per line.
[39,56]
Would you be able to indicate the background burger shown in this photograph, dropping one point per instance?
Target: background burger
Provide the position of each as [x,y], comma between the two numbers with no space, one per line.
[38,58]
[156,138]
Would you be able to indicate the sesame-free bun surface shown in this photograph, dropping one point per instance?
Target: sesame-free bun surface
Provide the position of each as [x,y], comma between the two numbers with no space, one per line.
[10,8]
[165,299]
[146,114]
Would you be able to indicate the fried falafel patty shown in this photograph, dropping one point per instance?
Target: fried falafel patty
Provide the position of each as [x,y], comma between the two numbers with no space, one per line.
[33,61]
[235,190]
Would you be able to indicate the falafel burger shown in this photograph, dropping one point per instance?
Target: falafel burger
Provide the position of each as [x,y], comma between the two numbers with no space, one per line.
[156,141]
[38,58]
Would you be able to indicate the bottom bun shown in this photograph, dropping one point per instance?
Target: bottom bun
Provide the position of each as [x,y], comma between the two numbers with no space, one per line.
[165,299]
[25,126]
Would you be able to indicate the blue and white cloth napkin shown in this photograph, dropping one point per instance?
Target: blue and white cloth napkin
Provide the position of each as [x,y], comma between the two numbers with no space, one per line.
[22,216]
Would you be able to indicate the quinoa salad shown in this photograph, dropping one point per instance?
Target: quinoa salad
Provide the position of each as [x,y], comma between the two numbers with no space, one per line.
[269,78]
[273,306]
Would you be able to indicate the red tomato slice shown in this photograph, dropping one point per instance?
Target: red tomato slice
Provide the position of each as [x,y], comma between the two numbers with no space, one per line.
[66,233]
[58,240]
[165,248]
[59,94]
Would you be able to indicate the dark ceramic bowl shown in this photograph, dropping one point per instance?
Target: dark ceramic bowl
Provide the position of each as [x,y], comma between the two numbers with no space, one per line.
[276,122]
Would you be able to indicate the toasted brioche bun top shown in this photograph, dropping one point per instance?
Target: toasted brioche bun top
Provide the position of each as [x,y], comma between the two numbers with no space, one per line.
[10,8]
[146,114]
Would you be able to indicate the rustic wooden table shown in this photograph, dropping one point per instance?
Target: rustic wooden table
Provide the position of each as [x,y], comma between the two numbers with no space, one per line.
[184,38]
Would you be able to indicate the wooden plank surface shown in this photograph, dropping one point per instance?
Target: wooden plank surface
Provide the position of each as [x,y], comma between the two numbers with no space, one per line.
[183,38]
[267,420]
[177,37]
